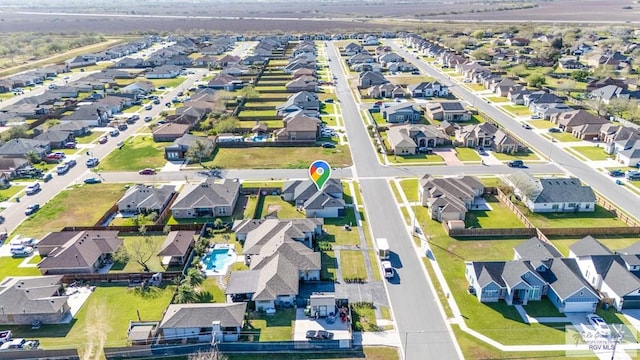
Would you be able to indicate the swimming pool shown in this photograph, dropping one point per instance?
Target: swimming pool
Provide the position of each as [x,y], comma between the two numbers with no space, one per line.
[217,260]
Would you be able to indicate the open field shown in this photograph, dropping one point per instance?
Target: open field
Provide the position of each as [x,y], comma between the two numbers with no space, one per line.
[274,158]
[65,209]
[138,152]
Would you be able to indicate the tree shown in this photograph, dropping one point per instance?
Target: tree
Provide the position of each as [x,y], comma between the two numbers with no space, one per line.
[536,80]
[481,54]
[556,43]
[217,223]
[33,157]
[194,278]
[141,249]
[249,92]
[197,151]
[580,75]
[185,294]
[566,86]
[618,106]
[478,34]
[229,124]
[15,132]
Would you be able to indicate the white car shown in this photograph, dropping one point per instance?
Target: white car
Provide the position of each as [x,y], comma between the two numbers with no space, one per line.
[91,162]
[33,189]
[387,269]
[599,325]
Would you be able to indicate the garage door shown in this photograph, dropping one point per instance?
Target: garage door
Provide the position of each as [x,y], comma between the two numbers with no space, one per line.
[631,304]
[571,306]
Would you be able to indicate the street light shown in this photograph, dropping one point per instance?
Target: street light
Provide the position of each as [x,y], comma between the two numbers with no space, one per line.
[406,337]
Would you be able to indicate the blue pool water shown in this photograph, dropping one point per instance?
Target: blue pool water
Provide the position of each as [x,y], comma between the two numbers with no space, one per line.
[218,259]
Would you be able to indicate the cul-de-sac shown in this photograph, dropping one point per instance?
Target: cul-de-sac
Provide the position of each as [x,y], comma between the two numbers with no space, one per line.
[317,180]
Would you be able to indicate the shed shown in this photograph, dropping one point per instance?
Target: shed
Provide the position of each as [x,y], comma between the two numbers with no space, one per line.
[322,304]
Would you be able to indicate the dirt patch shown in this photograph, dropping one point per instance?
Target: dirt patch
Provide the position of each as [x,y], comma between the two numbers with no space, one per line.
[272,208]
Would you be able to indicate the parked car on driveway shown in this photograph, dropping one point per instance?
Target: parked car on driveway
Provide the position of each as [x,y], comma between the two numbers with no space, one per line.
[599,325]
[328,145]
[554,130]
[616,173]
[319,335]
[70,145]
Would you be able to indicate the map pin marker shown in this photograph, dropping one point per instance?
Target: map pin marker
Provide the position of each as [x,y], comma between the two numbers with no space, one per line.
[319,172]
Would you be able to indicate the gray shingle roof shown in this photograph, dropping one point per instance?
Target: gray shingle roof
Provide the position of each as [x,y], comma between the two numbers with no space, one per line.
[321,200]
[77,249]
[31,295]
[564,190]
[146,197]
[488,272]
[207,194]
[614,273]
[587,246]
[564,277]
[203,315]
[177,243]
[536,249]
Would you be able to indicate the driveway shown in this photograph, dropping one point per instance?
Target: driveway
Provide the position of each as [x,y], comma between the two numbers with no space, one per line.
[449,156]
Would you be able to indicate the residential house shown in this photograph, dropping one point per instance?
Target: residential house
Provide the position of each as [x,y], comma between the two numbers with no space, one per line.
[176,248]
[452,111]
[298,127]
[568,120]
[323,203]
[56,139]
[279,255]
[600,83]
[203,323]
[352,49]
[407,139]
[370,78]
[405,112]
[610,92]
[517,42]
[388,58]
[77,252]
[608,273]
[180,147]
[302,83]
[9,169]
[90,115]
[304,100]
[206,199]
[20,148]
[26,300]
[76,128]
[170,131]
[552,194]
[80,61]
[535,249]
[571,64]
[539,97]
[163,72]
[138,87]
[303,72]
[449,198]
[545,111]
[145,199]
[387,90]
[428,89]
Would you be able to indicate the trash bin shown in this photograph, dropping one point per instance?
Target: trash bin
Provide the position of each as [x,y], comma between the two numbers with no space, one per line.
[606,306]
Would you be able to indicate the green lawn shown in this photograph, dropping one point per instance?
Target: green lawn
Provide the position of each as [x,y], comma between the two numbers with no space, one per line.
[564,137]
[89,138]
[329,120]
[9,192]
[328,109]
[598,218]
[278,158]
[329,265]
[377,117]
[592,152]
[271,124]
[517,110]
[431,159]
[67,209]
[336,234]
[210,285]
[541,124]
[259,184]
[521,156]
[274,205]
[475,87]
[257,113]
[491,181]
[154,264]
[138,152]
[352,264]
[170,83]
[106,314]
[363,319]
[543,308]
[410,188]
[489,319]
[276,327]
[9,267]
[497,99]
[132,109]
[467,154]
[500,217]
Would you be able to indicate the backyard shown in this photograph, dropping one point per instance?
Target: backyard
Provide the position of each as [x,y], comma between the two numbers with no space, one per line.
[138,152]
[276,327]
[275,158]
[141,247]
[499,217]
[600,217]
[65,209]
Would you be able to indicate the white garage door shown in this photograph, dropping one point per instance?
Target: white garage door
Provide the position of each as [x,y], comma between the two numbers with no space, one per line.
[571,306]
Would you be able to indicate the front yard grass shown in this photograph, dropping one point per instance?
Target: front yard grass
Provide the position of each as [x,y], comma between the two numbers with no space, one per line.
[329,264]
[6,194]
[70,208]
[363,319]
[106,313]
[170,83]
[592,152]
[138,152]
[92,136]
[542,308]
[520,156]
[600,217]
[541,124]
[278,158]
[431,159]
[564,137]
[467,154]
[410,188]
[352,264]
[517,110]
[275,327]
[492,319]
[497,99]
[500,217]
[9,267]
[475,87]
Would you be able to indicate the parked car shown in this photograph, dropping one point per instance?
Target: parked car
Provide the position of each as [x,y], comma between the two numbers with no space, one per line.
[48,177]
[319,335]
[148,107]
[535,116]
[103,140]
[70,145]
[123,127]
[599,325]
[92,180]
[156,101]
[70,163]
[22,250]
[33,188]
[62,169]
[20,343]
[328,145]
[147,118]
[387,269]
[147,171]
[516,163]
[554,130]
[93,161]
[526,126]
[114,132]
[5,335]
[31,209]
[2,219]
[616,173]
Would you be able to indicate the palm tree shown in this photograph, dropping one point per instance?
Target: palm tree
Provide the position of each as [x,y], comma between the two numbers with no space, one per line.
[194,278]
[185,294]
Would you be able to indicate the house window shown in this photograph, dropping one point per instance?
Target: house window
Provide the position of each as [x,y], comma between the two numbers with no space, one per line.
[571,205]
[222,211]
[588,206]
[491,293]
[581,293]
[555,206]
[534,293]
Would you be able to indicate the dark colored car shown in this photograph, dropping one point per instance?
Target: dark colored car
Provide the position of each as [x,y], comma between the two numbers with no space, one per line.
[554,130]
[516,163]
[328,145]
[319,335]
[616,173]
[526,126]
[92,180]
[147,171]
